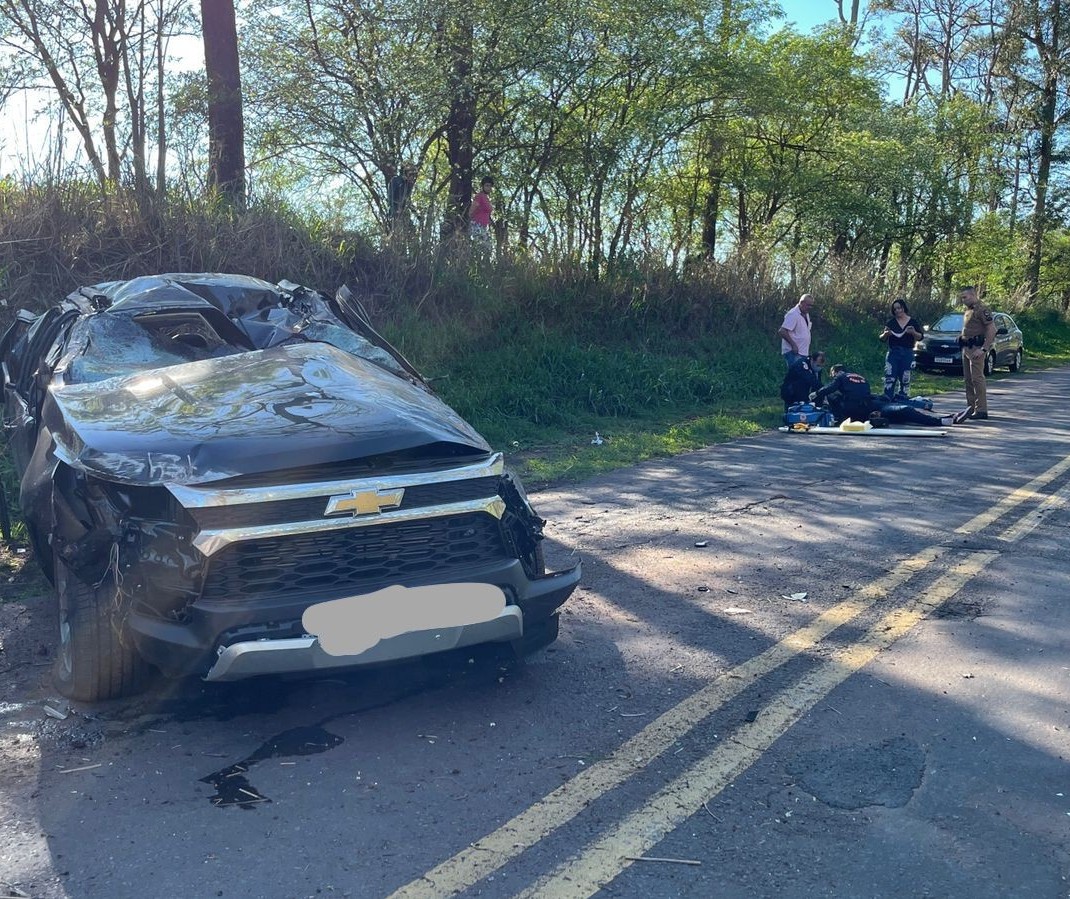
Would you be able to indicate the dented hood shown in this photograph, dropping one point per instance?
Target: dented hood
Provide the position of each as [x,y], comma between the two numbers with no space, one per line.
[291,406]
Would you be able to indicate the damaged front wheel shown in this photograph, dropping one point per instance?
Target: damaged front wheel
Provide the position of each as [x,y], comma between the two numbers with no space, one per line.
[94,663]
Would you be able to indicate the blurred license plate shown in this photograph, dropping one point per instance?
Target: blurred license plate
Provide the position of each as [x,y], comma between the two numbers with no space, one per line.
[944,360]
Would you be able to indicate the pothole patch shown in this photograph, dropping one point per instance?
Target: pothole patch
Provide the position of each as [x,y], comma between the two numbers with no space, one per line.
[960,608]
[856,776]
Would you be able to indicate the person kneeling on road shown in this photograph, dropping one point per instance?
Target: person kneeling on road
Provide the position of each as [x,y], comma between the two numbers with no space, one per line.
[849,397]
[803,378]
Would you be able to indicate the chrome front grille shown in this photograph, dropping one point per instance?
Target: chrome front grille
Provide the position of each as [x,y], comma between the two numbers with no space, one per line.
[277,541]
[419,496]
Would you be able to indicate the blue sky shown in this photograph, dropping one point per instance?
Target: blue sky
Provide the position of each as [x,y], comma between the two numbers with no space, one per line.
[808,13]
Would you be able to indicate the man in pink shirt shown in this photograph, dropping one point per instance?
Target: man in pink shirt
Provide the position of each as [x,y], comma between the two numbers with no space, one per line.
[479,215]
[795,332]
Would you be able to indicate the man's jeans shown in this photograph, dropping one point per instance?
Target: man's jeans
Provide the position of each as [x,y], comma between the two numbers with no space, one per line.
[790,357]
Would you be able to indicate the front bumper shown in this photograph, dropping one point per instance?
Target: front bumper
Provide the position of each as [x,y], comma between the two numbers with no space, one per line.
[938,357]
[223,643]
[266,554]
[303,654]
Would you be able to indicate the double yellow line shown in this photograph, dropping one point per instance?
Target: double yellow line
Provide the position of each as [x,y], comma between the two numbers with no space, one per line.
[601,861]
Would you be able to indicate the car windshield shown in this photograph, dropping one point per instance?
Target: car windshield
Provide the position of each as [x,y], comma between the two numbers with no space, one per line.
[950,322]
[137,334]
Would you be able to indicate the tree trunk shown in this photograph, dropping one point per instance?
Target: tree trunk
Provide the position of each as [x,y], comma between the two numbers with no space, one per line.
[882,263]
[161,124]
[461,120]
[1040,209]
[1048,113]
[226,128]
[1016,188]
[924,282]
[712,207]
[136,62]
[743,228]
[595,257]
[107,40]
[850,17]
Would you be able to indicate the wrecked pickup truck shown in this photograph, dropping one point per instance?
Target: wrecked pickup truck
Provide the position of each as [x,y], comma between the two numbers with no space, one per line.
[205,458]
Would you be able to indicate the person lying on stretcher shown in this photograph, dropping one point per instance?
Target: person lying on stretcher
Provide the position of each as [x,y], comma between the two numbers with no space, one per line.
[849,397]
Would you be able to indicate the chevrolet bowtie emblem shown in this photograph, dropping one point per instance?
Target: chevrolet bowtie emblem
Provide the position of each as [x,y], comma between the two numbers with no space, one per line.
[364,502]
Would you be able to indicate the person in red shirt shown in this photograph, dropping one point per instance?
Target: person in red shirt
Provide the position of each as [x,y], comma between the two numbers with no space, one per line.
[480,213]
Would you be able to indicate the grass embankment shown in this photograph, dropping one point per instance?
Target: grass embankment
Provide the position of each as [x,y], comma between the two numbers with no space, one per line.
[541,391]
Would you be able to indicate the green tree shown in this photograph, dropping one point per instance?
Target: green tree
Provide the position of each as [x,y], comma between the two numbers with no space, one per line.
[791,135]
[1044,27]
[355,89]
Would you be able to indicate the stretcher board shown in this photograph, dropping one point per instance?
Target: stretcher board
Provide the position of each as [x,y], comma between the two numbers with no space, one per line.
[874,432]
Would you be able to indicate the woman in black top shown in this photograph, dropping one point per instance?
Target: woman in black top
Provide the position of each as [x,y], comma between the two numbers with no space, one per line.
[901,332]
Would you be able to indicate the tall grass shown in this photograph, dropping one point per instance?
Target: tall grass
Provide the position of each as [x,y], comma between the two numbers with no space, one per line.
[56,238]
[10,492]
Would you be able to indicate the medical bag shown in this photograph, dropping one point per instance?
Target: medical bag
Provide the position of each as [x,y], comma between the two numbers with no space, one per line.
[808,413]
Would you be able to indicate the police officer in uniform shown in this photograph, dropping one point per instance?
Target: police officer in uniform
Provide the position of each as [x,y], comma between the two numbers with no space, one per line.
[978,335]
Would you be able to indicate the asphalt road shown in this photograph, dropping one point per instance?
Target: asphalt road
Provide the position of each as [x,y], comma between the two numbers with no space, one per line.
[798,666]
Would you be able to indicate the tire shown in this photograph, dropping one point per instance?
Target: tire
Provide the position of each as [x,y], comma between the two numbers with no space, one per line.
[1016,362]
[93,661]
[990,364]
